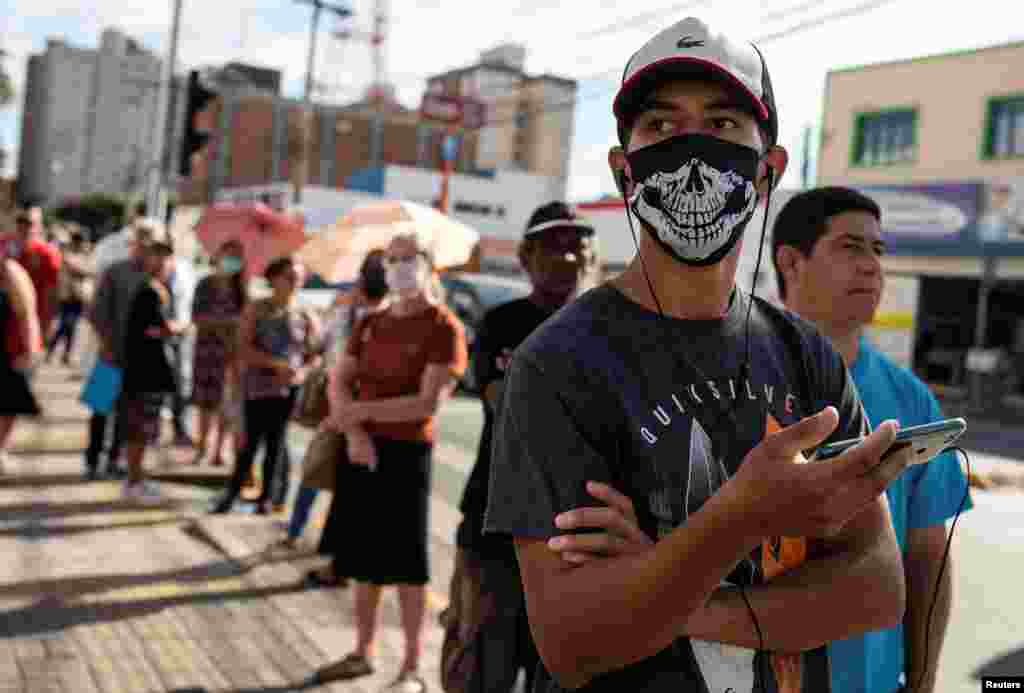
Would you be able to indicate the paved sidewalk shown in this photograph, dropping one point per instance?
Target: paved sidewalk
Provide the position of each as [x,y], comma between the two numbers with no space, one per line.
[97,594]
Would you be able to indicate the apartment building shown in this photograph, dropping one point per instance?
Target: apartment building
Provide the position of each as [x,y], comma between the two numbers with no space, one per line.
[88,118]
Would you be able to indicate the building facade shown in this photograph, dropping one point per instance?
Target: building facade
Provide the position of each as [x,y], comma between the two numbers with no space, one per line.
[257,137]
[939,143]
[88,119]
[529,117]
[256,140]
[500,172]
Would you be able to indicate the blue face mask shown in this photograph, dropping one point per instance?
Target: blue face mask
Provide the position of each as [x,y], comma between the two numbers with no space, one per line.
[231,264]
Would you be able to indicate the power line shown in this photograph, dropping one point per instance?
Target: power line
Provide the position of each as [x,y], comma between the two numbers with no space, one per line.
[648,17]
[558,107]
[845,13]
[789,11]
[561,106]
[641,19]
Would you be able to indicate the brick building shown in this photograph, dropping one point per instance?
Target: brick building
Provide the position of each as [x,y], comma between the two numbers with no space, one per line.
[256,137]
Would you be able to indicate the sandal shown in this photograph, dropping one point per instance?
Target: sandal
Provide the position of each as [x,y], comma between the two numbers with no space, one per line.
[407,682]
[349,667]
[317,579]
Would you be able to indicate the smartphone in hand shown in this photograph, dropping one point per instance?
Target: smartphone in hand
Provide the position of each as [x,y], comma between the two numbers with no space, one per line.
[927,440]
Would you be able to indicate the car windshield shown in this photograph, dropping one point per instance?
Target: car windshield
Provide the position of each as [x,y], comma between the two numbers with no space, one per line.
[497,294]
[491,291]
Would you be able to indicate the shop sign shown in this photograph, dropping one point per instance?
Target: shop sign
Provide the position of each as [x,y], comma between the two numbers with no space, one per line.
[923,217]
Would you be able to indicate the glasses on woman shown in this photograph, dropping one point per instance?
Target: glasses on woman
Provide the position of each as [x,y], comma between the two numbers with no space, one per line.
[403,259]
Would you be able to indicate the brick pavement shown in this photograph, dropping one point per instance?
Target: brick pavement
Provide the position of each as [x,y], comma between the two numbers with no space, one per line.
[99,595]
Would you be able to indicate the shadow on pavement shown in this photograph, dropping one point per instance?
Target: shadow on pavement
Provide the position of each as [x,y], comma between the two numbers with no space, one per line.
[51,615]
[72,588]
[289,688]
[43,509]
[35,531]
[1010,664]
[42,480]
[63,420]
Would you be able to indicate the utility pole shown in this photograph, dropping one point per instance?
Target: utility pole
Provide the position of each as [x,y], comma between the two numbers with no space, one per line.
[155,200]
[375,38]
[377,41]
[805,169]
[307,106]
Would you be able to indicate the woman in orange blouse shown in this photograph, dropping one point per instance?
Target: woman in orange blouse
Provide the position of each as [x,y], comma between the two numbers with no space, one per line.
[400,364]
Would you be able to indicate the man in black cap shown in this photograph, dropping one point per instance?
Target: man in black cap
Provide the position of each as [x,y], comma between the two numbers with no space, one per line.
[556,253]
[696,401]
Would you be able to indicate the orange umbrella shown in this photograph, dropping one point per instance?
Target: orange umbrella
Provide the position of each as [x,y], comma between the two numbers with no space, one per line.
[336,252]
[264,233]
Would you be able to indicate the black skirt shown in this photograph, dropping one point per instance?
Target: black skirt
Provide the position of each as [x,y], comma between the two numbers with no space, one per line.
[17,399]
[378,524]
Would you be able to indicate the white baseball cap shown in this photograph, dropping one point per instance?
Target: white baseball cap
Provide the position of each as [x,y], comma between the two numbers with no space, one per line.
[689,48]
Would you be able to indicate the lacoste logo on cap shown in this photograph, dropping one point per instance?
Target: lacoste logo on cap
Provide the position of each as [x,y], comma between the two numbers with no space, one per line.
[689,42]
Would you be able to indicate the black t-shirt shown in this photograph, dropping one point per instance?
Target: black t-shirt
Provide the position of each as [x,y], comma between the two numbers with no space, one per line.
[595,394]
[502,329]
[147,363]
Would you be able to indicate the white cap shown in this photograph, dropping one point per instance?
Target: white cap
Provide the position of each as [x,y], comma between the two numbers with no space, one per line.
[690,48]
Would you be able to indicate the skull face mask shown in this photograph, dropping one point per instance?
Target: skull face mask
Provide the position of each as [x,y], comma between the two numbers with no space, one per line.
[696,193]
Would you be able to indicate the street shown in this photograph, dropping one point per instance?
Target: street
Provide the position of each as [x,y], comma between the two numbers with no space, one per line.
[100,595]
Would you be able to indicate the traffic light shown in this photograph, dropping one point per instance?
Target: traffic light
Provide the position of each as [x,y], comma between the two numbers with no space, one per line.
[194,139]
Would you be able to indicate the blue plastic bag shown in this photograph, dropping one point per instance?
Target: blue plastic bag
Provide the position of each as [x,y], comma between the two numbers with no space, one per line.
[103,388]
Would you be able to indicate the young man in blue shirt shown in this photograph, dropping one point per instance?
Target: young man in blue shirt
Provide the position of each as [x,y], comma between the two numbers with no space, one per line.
[827,247]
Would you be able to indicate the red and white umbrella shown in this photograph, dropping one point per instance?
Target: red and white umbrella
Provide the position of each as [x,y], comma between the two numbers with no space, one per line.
[264,233]
[337,251]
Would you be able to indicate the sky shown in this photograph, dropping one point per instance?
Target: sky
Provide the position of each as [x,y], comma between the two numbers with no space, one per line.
[587,40]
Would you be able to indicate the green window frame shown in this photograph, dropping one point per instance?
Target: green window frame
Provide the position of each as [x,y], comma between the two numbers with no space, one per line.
[884,138]
[1004,128]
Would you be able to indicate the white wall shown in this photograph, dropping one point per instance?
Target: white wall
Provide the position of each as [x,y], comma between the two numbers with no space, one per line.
[615,243]
[519,194]
[320,206]
[323,206]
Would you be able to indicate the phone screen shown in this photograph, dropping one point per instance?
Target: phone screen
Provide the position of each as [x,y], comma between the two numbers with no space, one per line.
[929,439]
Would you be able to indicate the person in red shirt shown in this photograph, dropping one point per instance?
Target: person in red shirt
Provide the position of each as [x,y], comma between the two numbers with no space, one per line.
[40,259]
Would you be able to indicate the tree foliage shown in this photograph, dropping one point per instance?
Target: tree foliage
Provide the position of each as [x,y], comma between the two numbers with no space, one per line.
[6,88]
[99,212]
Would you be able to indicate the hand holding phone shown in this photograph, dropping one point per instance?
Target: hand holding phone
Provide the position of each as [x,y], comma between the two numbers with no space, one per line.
[927,440]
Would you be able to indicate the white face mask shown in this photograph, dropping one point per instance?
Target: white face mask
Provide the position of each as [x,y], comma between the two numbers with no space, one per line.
[407,275]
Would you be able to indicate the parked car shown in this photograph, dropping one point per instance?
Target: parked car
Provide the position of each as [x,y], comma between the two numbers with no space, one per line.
[470,296]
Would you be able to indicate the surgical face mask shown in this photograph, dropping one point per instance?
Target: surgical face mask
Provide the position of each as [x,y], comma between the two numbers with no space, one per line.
[231,264]
[406,275]
[696,194]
